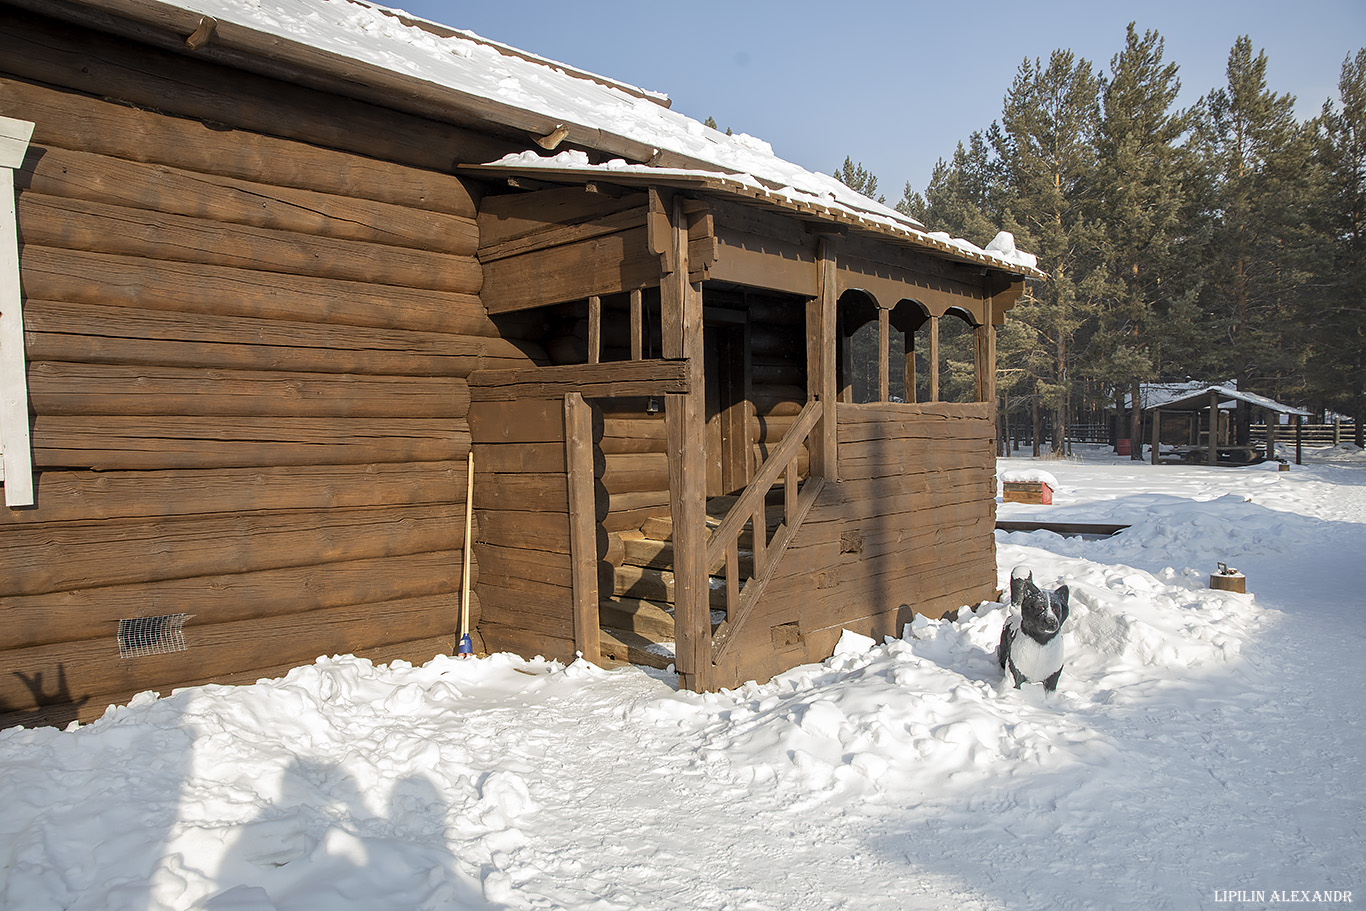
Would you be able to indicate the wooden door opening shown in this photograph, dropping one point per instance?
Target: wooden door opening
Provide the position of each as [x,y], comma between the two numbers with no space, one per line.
[726,352]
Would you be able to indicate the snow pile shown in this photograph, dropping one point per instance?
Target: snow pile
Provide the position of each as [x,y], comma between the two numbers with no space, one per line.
[937,697]
[905,772]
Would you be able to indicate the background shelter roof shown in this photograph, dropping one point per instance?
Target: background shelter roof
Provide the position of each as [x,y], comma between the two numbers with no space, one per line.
[1195,396]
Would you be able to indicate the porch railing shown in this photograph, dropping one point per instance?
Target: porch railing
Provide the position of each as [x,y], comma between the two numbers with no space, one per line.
[750,509]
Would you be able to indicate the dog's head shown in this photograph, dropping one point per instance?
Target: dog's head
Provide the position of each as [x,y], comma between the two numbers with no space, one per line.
[1042,613]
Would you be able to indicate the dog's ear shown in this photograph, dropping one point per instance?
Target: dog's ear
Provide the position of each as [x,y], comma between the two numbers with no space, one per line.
[1061,595]
[1019,585]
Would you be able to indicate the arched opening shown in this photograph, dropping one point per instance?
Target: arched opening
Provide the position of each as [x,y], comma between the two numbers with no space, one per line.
[908,323]
[857,324]
[957,357]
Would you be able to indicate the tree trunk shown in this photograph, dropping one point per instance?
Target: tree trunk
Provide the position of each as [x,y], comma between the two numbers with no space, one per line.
[1136,425]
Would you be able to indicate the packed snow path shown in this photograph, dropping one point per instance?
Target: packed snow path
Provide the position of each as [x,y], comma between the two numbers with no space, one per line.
[1203,750]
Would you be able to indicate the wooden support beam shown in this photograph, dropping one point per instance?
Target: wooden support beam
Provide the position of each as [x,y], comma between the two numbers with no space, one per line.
[824,452]
[910,368]
[583,537]
[637,323]
[1213,454]
[614,379]
[1157,433]
[684,415]
[933,358]
[594,329]
[984,361]
[884,359]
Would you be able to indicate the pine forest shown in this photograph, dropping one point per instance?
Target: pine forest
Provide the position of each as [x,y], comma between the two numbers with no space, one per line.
[1221,241]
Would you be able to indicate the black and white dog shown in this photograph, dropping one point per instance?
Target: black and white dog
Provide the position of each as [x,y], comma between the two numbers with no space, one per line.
[1031,644]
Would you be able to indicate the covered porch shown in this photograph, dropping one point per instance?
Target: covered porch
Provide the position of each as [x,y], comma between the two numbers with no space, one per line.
[700,344]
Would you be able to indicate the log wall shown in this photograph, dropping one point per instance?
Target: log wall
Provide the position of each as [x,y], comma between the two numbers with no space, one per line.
[907,529]
[251,310]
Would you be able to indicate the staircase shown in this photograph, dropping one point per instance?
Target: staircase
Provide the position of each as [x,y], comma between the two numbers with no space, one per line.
[637,620]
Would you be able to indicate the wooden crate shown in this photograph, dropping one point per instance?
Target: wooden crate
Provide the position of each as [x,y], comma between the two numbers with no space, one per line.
[1039,492]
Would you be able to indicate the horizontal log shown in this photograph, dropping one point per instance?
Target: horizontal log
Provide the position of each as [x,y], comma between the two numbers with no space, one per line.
[529,492]
[94,666]
[81,277]
[93,334]
[499,637]
[603,265]
[627,519]
[512,423]
[530,530]
[215,198]
[101,389]
[615,379]
[93,227]
[637,481]
[93,613]
[531,565]
[893,412]
[66,496]
[105,66]
[157,443]
[551,213]
[529,457]
[547,228]
[43,558]
[71,120]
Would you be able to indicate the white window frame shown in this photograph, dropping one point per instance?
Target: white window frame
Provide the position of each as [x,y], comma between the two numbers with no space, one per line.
[16,450]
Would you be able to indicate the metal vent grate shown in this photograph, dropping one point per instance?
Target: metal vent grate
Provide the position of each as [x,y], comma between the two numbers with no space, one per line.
[152,635]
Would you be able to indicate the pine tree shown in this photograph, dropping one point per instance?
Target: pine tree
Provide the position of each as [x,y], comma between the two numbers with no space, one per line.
[859,178]
[1044,146]
[1337,318]
[1142,197]
[1259,156]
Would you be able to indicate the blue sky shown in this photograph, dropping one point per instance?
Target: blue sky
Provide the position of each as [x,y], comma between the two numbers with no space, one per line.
[896,85]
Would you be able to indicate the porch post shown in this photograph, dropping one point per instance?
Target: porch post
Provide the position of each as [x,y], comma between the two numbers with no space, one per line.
[933,358]
[984,361]
[1272,419]
[821,337]
[685,425]
[884,347]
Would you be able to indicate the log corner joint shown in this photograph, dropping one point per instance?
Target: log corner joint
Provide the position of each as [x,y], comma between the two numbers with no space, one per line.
[202,34]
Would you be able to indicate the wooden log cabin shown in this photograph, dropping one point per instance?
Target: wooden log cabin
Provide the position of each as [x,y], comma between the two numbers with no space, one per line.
[261,294]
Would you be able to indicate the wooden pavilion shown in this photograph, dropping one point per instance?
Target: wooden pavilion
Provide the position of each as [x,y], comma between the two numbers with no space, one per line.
[264,295]
[1199,434]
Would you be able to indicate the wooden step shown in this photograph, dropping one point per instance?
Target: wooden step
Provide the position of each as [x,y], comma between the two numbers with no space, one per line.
[623,645]
[645,583]
[651,619]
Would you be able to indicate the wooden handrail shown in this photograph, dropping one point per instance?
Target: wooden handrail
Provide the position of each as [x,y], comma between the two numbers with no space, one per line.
[749,507]
[764,479]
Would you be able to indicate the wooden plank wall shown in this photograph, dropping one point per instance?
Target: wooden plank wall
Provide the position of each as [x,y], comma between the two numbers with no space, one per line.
[248,360]
[908,528]
[521,495]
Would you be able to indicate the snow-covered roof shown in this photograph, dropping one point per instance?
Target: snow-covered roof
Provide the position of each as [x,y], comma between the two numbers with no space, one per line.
[1196,395]
[569,104]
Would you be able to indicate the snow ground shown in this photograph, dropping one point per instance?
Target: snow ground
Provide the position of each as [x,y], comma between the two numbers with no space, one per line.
[1204,749]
